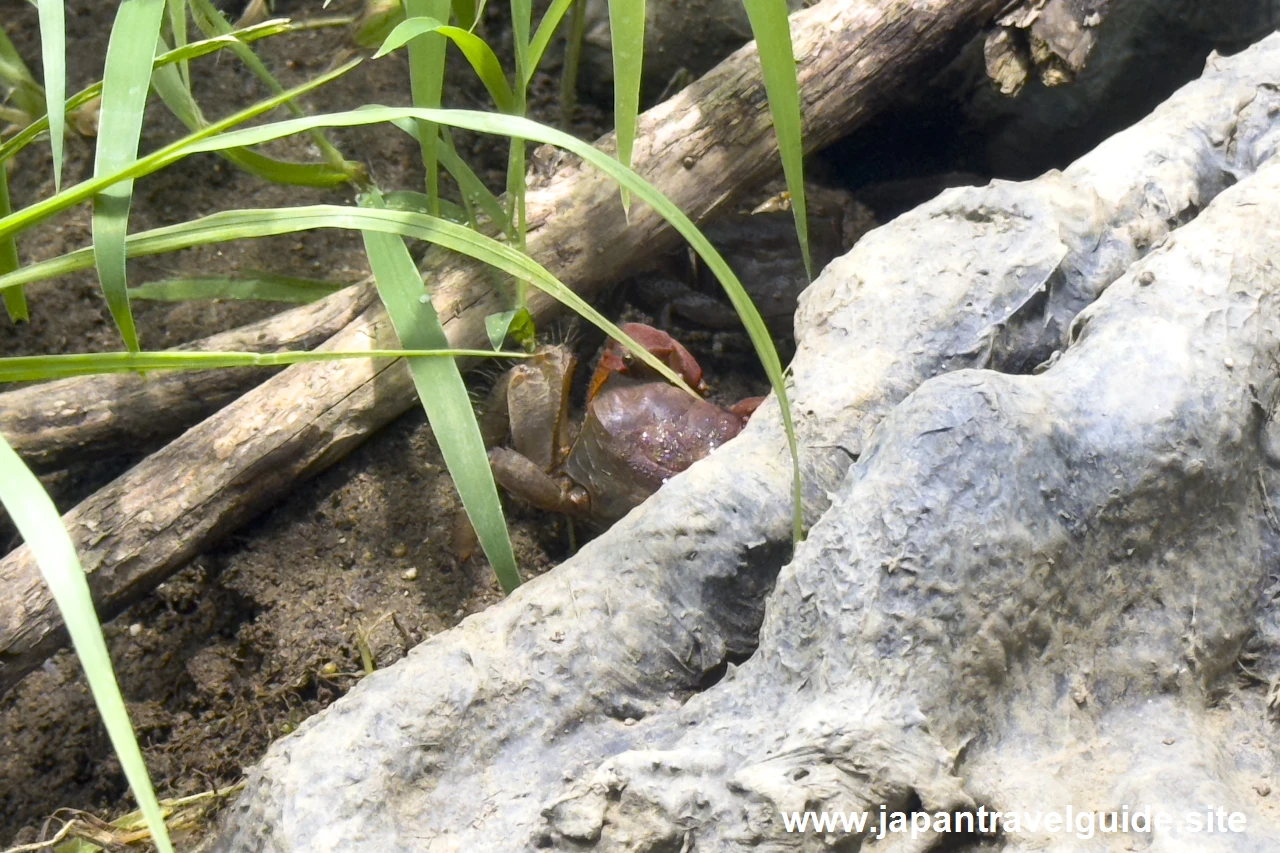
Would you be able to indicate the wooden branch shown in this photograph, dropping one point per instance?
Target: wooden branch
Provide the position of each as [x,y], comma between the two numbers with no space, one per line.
[698,148]
[55,423]
[1050,38]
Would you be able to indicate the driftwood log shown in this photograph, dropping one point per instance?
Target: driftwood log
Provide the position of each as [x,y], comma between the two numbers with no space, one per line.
[55,424]
[1040,457]
[699,148]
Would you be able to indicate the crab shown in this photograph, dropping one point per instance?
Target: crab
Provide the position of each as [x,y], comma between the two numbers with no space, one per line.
[639,429]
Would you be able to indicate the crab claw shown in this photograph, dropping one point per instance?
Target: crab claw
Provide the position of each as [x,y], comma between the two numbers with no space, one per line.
[616,359]
[746,407]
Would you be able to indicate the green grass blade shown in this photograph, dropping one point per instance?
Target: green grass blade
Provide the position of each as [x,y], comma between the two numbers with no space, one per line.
[25,92]
[264,287]
[443,395]
[211,22]
[29,368]
[474,192]
[421,203]
[244,224]
[171,153]
[377,18]
[195,49]
[36,518]
[772,29]
[176,95]
[626,31]
[15,303]
[125,81]
[482,58]
[290,174]
[464,12]
[572,60]
[521,22]
[53,55]
[178,31]
[546,31]
[426,82]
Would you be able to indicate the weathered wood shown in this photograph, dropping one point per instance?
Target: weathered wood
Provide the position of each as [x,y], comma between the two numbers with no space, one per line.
[1052,38]
[53,424]
[699,148]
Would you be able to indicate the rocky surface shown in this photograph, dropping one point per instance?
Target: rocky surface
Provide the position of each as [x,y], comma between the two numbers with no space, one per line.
[1035,427]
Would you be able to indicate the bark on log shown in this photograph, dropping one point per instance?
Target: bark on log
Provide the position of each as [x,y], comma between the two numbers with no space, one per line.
[53,424]
[698,148]
[972,563]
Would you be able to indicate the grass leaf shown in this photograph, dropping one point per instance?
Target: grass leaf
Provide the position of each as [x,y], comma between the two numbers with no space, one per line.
[772,29]
[15,303]
[464,12]
[176,95]
[264,287]
[29,368]
[36,518]
[545,32]
[199,48]
[171,153]
[474,192]
[125,82]
[25,93]
[482,58]
[178,32]
[443,395]
[626,31]
[426,82]
[213,24]
[53,55]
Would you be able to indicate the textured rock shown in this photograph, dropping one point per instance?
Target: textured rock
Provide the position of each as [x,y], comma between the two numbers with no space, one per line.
[1018,590]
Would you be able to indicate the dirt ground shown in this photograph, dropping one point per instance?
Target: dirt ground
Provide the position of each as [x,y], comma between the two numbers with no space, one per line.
[252,638]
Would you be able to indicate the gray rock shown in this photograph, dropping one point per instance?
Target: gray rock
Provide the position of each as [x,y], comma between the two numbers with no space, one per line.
[1019,590]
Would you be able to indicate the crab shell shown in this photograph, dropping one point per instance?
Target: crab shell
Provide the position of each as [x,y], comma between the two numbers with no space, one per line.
[639,435]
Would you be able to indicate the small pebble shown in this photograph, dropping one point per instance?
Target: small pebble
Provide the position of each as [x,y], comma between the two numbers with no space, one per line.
[1146,277]
[399,549]
[135,630]
[410,574]
[329,668]
[1229,362]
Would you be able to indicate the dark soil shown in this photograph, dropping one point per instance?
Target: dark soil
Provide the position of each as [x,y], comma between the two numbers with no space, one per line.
[250,639]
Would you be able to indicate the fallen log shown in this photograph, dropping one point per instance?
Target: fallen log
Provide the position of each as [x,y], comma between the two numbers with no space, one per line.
[974,572]
[699,148]
[54,424]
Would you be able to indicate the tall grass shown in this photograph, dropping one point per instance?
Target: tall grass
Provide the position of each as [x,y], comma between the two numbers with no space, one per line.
[150,51]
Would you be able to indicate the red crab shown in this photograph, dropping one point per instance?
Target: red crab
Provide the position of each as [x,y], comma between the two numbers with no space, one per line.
[639,430]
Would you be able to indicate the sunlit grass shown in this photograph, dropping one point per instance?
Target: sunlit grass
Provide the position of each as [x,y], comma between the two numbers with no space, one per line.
[37,519]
